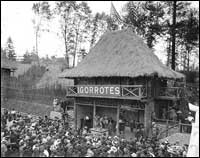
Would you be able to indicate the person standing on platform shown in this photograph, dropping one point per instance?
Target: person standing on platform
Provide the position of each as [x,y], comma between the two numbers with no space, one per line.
[132,125]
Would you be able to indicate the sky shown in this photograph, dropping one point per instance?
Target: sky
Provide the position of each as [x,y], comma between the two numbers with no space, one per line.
[16,21]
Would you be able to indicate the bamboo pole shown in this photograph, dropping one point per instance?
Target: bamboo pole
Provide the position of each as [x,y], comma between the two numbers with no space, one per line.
[94,114]
[75,114]
[118,112]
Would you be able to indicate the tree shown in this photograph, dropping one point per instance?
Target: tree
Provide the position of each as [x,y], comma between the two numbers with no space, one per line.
[27,58]
[81,27]
[30,57]
[42,12]
[98,26]
[65,10]
[3,53]
[146,19]
[9,49]
[174,35]
[189,33]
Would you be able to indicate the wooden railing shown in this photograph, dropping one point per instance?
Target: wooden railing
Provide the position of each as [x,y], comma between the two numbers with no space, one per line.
[170,125]
[126,91]
[170,92]
[133,91]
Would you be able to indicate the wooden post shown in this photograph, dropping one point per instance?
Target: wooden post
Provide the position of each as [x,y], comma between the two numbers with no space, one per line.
[179,125]
[94,114]
[167,125]
[117,125]
[75,114]
[149,108]
[140,93]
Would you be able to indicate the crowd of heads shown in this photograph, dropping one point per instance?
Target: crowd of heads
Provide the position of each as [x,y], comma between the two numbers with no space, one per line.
[43,137]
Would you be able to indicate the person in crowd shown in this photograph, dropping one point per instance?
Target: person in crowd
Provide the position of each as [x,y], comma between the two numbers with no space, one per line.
[48,139]
[132,125]
[172,114]
[153,117]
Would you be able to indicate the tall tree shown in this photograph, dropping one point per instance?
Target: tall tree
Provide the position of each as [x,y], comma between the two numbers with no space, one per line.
[9,49]
[189,33]
[98,26]
[174,36]
[65,10]
[81,27]
[146,19]
[42,13]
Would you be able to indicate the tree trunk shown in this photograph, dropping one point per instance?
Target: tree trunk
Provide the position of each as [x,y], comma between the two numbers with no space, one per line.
[76,44]
[188,60]
[169,52]
[36,42]
[174,37]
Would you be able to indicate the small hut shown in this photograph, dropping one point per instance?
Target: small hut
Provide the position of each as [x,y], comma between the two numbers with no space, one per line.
[121,76]
[7,71]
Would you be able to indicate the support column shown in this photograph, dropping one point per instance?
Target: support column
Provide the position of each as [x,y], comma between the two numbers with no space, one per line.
[94,114]
[75,114]
[117,125]
[149,108]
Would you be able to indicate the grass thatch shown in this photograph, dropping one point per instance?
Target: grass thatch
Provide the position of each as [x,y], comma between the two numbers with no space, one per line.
[120,54]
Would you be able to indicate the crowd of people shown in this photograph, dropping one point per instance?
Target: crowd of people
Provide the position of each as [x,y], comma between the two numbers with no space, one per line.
[43,137]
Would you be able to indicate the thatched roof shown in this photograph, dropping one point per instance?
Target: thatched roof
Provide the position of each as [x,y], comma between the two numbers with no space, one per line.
[120,54]
[8,64]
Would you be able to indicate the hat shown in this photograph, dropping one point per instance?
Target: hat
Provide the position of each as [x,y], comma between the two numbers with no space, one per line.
[46,153]
[133,155]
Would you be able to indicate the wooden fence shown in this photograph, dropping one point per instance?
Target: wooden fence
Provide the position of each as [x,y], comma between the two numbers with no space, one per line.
[41,96]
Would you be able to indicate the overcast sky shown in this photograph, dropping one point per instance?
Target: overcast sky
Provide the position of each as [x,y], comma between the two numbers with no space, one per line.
[16,21]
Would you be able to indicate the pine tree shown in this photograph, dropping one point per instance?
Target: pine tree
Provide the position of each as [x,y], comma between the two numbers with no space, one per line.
[9,49]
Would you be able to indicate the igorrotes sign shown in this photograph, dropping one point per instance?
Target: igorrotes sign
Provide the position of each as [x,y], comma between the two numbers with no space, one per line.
[99,90]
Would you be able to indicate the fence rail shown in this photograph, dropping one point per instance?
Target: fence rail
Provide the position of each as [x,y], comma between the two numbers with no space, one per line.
[42,96]
[171,92]
[180,127]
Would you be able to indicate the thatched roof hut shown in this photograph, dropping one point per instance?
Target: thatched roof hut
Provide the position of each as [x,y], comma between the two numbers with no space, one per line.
[121,54]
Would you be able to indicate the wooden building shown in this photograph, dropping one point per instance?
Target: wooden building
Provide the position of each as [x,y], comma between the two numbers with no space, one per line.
[7,72]
[121,73]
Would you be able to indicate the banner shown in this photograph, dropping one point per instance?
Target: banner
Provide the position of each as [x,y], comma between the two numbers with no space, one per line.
[99,90]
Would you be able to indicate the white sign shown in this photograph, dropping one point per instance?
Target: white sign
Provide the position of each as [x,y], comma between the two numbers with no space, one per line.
[193,150]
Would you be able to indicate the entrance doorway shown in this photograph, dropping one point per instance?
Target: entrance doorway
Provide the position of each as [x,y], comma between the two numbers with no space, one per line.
[133,118]
[84,116]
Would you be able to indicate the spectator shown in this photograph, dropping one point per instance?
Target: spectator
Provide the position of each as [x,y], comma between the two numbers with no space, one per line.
[132,125]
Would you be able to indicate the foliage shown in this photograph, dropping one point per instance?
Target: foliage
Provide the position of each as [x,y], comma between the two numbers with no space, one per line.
[3,53]
[146,18]
[9,50]
[30,57]
[42,12]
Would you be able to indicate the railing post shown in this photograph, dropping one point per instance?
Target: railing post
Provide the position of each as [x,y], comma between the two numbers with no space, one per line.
[179,125]
[122,94]
[140,94]
[167,126]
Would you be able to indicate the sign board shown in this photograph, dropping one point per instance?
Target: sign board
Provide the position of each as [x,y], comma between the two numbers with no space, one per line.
[99,131]
[98,90]
[55,115]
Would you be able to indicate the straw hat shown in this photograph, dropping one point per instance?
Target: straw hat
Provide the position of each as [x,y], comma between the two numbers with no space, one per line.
[133,155]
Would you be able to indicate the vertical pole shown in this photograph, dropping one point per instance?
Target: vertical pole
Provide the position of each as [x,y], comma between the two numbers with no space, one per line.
[117,125]
[140,94]
[167,125]
[75,114]
[179,125]
[94,115]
